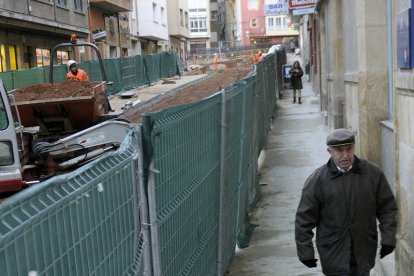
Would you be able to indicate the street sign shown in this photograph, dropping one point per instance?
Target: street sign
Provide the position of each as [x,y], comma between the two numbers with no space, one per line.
[297,4]
[303,11]
[99,35]
[277,8]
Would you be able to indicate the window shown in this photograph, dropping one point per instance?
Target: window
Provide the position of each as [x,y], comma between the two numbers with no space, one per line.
[26,57]
[4,122]
[13,57]
[6,153]
[3,66]
[252,4]
[213,1]
[61,2]
[162,16]
[213,15]
[186,19]
[62,57]
[181,18]
[78,5]
[271,23]
[198,24]
[42,57]
[253,22]
[154,12]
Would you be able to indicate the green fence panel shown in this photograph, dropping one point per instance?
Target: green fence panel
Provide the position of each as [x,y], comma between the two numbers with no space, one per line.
[113,73]
[131,72]
[82,223]
[168,64]
[152,68]
[186,154]
[22,78]
[128,68]
[59,73]
[7,78]
[139,70]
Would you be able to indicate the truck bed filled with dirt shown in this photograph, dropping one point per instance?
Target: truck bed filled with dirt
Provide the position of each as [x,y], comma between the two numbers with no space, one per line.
[54,90]
[58,107]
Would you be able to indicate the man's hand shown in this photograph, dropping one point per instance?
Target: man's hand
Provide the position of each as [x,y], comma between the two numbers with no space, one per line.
[385,250]
[310,262]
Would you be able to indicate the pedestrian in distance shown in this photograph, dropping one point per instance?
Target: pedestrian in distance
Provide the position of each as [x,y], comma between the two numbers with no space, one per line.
[343,200]
[75,73]
[296,74]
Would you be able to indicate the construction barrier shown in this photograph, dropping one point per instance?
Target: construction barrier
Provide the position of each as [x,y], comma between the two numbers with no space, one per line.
[173,200]
[83,223]
[124,73]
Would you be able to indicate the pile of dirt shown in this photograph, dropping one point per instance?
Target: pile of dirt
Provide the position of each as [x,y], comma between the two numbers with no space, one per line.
[54,90]
[200,90]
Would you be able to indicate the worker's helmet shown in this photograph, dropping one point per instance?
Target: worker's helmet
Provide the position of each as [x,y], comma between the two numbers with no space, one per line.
[215,54]
[71,63]
[260,52]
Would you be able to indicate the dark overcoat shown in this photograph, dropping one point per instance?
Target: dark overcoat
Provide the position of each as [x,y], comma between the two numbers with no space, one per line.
[296,78]
[344,207]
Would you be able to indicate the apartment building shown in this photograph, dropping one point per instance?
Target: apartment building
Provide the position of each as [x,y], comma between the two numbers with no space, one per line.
[253,23]
[153,26]
[30,29]
[214,24]
[228,21]
[109,26]
[178,26]
[199,23]
[278,22]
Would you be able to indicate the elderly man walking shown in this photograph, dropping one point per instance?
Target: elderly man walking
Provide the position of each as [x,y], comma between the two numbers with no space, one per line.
[343,200]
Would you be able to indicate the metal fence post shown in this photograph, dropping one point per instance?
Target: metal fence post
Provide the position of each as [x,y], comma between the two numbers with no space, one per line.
[155,246]
[221,203]
[143,199]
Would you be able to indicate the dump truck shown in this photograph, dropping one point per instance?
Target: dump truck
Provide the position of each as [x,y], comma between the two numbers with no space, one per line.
[44,136]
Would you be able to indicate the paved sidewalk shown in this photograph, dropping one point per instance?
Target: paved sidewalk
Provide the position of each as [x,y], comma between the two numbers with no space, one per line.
[295,147]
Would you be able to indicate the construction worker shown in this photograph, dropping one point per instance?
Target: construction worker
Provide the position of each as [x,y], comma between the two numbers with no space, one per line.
[259,57]
[75,73]
[216,61]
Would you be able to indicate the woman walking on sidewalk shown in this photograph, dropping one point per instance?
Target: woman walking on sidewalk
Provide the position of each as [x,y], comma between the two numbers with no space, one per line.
[296,74]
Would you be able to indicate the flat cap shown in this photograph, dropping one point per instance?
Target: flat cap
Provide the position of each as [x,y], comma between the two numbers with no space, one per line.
[340,137]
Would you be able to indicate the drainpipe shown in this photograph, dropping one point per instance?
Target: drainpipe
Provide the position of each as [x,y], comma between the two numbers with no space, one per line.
[390,60]
[29,6]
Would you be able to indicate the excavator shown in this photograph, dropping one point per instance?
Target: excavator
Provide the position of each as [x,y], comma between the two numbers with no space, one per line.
[33,148]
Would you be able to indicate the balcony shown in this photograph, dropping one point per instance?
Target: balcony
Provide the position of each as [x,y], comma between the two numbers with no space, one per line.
[112,6]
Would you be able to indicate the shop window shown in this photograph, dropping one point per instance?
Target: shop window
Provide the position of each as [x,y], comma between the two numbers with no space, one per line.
[13,57]
[26,57]
[42,57]
[3,67]
[62,57]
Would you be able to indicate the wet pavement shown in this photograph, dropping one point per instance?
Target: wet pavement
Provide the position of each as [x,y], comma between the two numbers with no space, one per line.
[295,148]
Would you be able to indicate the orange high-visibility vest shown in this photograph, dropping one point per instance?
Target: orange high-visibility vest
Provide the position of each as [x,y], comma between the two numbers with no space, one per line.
[80,76]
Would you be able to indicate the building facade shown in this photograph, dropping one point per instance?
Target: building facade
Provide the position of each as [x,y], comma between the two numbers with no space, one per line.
[30,29]
[278,22]
[362,69]
[228,22]
[253,26]
[214,24]
[109,26]
[153,26]
[178,27]
[199,25]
